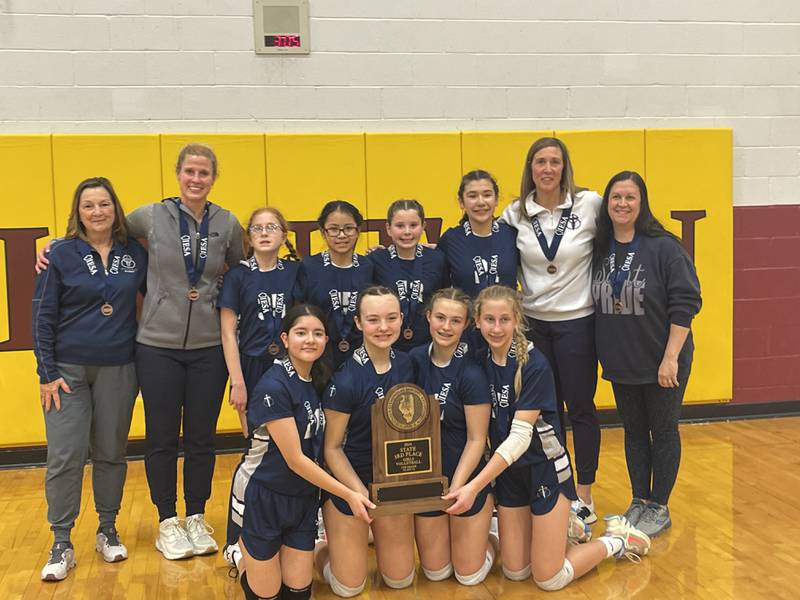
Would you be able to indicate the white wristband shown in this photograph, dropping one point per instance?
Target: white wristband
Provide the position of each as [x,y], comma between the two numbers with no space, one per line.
[517,442]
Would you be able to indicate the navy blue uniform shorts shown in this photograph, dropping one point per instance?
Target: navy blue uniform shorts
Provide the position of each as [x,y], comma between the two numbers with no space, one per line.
[272,520]
[535,485]
[476,507]
[365,475]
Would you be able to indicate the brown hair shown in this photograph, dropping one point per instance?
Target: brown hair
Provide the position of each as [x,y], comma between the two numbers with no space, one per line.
[281,221]
[197,149]
[501,292]
[567,176]
[404,204]
[75,229]
[320,373]
[374,290]
[453,294]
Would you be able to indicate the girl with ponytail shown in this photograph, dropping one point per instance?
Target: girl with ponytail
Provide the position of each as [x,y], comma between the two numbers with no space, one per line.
[533,478]
[254,299]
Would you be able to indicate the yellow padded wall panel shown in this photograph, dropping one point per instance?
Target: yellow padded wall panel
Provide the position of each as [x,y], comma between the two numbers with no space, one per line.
[27,207]
[241,185]
[421,166]
[707,186]
[502,153]
[307,170]
[130,162]
[598,155]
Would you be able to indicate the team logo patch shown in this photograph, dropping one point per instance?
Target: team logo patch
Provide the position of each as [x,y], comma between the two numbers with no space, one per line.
[268,402]
[574,221]
[128,264]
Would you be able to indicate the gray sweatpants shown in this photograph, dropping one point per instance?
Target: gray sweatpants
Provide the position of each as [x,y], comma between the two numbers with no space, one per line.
[93,423]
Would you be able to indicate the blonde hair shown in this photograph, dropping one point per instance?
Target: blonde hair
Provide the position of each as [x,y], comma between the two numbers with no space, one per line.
[520,342]
[197,149]
[281,221]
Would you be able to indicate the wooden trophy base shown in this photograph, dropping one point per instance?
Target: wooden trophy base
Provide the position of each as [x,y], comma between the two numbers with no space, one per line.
[408,497]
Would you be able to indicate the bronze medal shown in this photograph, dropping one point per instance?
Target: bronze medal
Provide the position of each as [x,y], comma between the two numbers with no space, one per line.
[273,349]
[408,333]
[551,268]
[193,294]
[107,310]
[344,345]
[618,307]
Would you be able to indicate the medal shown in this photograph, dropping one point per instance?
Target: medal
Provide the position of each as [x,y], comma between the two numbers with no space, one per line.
[408,333]
[551,268]
[193,294]
[344,345]
[106,309]
[273,349]
[618,307]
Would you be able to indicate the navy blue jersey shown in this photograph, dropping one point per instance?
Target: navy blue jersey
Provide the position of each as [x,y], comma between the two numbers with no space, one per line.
[475,262]
[261,299]
[461,383]
[68,325]
[353,390]
[414,281]
[538,392]
[281,393]
[335,290]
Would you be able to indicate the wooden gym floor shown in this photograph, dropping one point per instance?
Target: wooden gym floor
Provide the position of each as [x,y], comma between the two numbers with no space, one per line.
[735,532]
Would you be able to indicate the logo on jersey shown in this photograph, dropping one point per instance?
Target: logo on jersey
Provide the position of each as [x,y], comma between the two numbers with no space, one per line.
[574,221]
[332,391]
[128,264]
[268,401]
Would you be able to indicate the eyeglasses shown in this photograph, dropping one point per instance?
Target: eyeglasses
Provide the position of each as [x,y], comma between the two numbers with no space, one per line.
[268,228]
[347,230]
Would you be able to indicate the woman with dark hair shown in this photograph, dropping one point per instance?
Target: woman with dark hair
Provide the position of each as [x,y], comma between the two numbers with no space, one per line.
[370,372]
[480,250]
[333,278]
[555,224]
[84,329]
[255,296]
[287,424]
[411,269]
[646,293]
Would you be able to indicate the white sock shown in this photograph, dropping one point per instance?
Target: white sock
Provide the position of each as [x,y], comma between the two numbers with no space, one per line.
[613,544]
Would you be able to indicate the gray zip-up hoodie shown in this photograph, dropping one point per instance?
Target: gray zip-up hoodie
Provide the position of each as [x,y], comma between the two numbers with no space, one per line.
[169,319]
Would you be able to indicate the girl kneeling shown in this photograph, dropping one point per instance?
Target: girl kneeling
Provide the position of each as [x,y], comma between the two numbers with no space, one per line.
[534,483]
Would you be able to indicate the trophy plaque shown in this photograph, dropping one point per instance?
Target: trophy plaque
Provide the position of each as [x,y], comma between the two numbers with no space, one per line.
[406,453]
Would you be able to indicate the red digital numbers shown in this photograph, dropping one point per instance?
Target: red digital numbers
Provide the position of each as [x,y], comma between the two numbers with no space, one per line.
[282,41]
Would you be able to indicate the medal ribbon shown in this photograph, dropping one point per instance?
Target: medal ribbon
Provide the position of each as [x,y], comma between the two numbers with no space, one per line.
[550,250]
[272,315]
[483,274]
[113,269]
[411,296]
[344,325]
[194,271]
[619,276]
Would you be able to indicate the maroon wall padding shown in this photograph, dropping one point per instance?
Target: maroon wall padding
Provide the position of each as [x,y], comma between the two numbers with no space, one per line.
[766,303]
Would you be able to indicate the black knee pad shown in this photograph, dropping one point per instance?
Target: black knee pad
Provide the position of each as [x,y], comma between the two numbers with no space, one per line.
[249,594]
[288,593]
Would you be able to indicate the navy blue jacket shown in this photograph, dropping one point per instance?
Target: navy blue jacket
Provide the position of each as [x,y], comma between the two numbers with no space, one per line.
[68,326]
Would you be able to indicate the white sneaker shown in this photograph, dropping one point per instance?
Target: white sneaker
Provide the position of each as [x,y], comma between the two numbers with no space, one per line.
[233,555]
[200,535]
[62,559]
[635,543]
[173,541]
[585,511]
[578,532]
[108,544]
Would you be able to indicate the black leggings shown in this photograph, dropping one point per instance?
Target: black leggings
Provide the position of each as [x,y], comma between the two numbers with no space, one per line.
[180,387]
[569,347]
[650,415]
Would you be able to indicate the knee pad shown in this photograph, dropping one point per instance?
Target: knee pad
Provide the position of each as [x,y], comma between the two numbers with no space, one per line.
[520,575]
[439,575]
[399,584]
[289,593]
[249,594]
[339,588]
[479,575]
[559,580]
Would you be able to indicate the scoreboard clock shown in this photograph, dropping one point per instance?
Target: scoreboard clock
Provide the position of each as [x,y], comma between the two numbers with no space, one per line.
[281,26]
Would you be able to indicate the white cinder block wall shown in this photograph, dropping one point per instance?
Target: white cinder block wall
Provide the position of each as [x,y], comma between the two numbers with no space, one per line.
[379,65]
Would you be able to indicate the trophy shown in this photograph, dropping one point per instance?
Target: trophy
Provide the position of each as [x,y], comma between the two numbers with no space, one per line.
[406,453]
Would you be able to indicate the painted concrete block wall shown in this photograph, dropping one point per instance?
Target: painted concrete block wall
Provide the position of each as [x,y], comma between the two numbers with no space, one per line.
[188,65]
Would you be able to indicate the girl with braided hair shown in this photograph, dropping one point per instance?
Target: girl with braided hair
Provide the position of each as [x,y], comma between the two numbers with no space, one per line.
[534,483]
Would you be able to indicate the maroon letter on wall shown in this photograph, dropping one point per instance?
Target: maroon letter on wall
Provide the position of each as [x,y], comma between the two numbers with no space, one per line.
[687,219]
